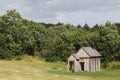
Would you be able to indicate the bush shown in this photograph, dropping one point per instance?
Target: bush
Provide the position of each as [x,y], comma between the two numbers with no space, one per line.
[6,54]
[104,64]
[114,65]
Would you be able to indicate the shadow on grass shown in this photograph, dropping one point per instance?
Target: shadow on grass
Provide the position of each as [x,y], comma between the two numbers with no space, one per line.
[103,73]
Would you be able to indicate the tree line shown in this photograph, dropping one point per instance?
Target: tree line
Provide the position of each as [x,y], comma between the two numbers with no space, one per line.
[55,42]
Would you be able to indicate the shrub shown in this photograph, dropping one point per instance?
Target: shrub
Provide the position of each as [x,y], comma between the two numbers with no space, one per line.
[114,65]
[104,64]
[6,54]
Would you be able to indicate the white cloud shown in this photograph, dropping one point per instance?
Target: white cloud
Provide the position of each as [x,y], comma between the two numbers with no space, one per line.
[11,6]
[60,17]
[67,11]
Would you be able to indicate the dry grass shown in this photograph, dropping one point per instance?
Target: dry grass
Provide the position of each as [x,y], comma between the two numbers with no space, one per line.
[39,70]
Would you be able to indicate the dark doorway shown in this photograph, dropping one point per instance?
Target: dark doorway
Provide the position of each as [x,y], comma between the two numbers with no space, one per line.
[82,66]
[71,68]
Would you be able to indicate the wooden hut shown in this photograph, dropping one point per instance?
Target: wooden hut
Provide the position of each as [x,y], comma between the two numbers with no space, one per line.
[85,59]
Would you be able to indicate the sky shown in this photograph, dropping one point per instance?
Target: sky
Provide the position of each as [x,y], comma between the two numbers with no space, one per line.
[65,11]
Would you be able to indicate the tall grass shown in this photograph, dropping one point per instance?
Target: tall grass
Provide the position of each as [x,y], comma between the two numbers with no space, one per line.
[114,65]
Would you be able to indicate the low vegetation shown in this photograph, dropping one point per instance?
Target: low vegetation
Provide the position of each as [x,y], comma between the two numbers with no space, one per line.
[40,70]
[114,65]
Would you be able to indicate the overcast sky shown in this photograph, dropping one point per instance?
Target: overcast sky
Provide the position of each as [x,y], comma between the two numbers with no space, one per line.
[65,11]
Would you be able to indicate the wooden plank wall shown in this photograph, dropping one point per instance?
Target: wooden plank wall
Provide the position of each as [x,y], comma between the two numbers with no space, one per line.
[77,66]
[98,64]
[91,65]
[94,64]
[87,65]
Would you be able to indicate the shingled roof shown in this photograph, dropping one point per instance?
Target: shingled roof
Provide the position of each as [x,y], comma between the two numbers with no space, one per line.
[91,52]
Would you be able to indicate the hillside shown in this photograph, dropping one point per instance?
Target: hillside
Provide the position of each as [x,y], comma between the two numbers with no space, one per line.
[38,70]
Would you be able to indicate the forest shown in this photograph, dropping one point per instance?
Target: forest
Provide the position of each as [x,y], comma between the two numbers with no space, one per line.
[55,42]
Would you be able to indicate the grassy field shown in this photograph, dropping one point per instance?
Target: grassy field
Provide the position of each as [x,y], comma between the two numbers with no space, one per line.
[38,70]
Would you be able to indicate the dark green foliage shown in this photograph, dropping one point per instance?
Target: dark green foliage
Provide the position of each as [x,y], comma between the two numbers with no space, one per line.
[6,54]
[55,42]
[86,27]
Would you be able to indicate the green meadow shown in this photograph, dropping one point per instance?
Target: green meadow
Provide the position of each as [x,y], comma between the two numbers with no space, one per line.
[40,70]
